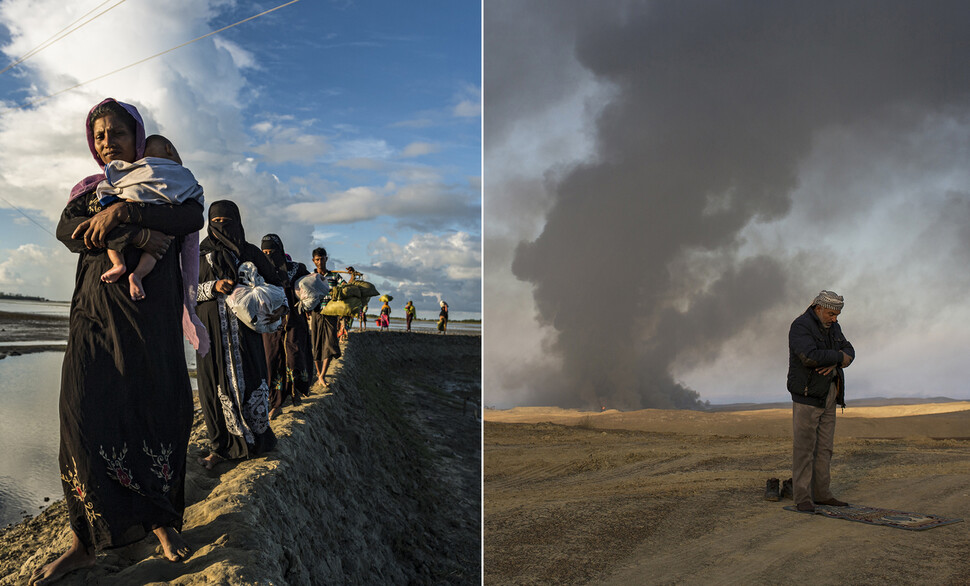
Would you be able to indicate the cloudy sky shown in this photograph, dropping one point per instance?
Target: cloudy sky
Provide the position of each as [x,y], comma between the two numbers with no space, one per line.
[669,184]
[350,125]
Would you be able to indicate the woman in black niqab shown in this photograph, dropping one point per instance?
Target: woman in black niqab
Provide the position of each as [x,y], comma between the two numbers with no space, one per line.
[287,350]
[233,380]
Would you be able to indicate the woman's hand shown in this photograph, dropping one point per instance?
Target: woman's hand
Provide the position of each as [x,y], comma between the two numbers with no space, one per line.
[225,286]
[153,242]
[94,230]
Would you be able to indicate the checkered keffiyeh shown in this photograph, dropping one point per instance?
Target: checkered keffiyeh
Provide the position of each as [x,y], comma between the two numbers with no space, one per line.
[829,300]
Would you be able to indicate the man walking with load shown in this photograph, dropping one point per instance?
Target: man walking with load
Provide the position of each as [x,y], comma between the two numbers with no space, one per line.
[817,354]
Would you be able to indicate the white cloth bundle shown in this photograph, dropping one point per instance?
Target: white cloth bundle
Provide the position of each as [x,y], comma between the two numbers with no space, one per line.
[255,303]
[311,291]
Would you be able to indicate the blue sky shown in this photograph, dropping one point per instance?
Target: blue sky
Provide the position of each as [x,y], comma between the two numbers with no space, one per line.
[355,126]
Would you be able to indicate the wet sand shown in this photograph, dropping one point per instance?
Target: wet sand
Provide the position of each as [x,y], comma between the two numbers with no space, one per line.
[20,333]
[676,497]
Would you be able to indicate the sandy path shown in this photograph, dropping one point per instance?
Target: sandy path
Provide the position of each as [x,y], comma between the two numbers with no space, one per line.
[570,504]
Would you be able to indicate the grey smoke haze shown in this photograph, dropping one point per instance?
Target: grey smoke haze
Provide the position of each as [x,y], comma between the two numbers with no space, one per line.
[713,109]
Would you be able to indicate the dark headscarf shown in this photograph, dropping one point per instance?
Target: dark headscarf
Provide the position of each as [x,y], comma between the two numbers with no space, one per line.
[277,255]
[88,184]
[226,240]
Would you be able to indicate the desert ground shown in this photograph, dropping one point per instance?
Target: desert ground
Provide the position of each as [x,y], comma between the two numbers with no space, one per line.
[677,497]
[375,479]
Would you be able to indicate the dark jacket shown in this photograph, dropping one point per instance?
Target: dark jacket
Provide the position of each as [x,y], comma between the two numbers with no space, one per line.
[812,346]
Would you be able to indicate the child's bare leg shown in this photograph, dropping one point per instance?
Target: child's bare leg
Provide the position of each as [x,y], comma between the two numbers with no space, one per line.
[145,265]
[117,269]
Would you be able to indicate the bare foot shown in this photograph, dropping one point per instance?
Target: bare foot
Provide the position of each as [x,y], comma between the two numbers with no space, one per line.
[210,461]
[75,558]
[135,288]
[111,275]
[174,548]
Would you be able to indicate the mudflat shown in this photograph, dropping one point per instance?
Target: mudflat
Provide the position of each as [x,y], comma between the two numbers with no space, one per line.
[677,497]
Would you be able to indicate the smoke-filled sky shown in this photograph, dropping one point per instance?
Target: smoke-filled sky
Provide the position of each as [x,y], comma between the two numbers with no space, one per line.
[669,184]
[350,125]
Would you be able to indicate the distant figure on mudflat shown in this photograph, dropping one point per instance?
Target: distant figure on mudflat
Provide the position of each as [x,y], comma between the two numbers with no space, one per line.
[818,351]
[362,319]
[385,318]
[409,314]
[443,318]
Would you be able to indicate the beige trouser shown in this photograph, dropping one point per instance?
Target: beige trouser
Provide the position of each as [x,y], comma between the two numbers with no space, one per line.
[813,431]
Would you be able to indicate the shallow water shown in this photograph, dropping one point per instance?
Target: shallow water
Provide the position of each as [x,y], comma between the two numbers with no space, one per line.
[37,307]
[29,387]
[29,432]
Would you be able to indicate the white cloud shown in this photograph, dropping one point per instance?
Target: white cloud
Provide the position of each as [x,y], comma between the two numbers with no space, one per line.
[368,148]
[289,144]
[425,203]
[417,149]
[241,57]
[37,270]
[469,102]
[429,265]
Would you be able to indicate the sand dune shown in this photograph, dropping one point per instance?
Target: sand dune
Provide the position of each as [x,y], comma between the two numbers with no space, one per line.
[935,420]
[676,497]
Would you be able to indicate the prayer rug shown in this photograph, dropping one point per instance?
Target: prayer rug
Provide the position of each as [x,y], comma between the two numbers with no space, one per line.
[887,517]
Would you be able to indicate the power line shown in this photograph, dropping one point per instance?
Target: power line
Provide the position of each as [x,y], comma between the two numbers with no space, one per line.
[73,87]
[58,35]
[42,227]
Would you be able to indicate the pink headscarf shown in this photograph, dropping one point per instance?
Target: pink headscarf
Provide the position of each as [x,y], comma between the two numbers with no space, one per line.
[88,184]
[192,326]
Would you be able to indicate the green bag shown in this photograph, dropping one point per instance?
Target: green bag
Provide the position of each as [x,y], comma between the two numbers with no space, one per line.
[342,307]
[345,291]
[367,289]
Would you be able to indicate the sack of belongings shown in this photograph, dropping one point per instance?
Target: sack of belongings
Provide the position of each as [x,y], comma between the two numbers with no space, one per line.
[258,305]
[347,299]
[367,289]
[310,291]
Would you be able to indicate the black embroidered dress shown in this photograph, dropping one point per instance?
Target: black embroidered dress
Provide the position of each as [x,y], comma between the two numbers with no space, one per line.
[126,400]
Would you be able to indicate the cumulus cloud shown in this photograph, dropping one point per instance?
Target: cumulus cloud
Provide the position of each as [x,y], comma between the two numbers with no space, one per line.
[417,149]
[428,266]
[36,270]
[469,102]
[288,143]
[426,204]
[364,148]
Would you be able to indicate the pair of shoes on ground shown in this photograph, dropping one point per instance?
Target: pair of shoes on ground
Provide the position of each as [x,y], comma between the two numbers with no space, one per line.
[776,490]
[809,507]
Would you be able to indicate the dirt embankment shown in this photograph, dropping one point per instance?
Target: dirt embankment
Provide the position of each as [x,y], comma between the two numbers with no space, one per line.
[376,480]
[581,502]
